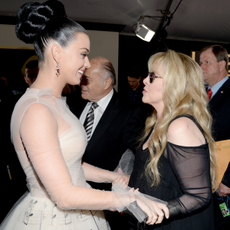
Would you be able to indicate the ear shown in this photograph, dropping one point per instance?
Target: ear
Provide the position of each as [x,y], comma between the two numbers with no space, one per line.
[107,83]
[56,51]
[222,65]
[25,78]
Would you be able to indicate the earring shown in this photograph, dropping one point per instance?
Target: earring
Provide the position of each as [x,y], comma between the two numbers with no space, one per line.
[58,69]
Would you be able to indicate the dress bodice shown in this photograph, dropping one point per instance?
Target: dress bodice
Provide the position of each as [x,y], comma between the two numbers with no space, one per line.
[50,141]
[71,136]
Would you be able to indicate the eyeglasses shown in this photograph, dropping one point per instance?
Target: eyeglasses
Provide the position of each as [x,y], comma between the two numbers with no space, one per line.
[152,77]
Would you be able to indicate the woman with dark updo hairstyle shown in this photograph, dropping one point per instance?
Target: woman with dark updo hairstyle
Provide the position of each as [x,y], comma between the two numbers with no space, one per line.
[50,141]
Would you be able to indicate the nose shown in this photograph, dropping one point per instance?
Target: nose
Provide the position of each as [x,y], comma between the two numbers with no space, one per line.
[146,80]
[87,63]
[202,66]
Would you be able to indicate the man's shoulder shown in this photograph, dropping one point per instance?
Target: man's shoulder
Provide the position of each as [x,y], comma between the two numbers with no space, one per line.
[226,85]
[224,90]
[81,103]
[121,108]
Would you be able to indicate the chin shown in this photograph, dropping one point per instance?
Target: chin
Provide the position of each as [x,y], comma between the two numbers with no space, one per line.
[144,100]
[84,96]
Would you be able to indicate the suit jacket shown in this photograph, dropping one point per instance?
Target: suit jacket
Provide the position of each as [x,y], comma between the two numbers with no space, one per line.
[220,109]
[118,129]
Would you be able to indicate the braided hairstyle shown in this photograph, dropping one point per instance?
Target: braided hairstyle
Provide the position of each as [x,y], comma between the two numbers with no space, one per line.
[39,23]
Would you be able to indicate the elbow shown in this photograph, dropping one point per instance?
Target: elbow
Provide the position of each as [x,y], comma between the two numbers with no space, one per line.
[64,201]
[63,205]
[206,199]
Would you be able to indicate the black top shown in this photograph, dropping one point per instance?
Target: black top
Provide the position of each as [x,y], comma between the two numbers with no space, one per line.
[185,177]
[220,109]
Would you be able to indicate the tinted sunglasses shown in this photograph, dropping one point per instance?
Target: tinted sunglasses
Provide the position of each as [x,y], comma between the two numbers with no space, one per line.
[152,77]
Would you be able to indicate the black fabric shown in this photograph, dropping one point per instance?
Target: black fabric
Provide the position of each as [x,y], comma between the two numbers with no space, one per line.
[185,178]
[220,110]
[12,185]
[118,130]
[221,223]
[174,208]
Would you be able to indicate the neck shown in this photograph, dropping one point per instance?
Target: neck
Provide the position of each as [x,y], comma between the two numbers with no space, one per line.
[44,81]
[107,91]
[102,95]
[159,107]
[219,78]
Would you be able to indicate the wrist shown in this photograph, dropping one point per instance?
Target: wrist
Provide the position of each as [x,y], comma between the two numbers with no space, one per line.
[174,208]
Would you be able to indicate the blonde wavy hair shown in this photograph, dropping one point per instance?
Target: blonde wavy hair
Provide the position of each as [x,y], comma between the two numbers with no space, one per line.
[183,93]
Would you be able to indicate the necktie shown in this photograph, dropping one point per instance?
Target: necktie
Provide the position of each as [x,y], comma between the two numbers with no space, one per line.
[88,124]
[209,94]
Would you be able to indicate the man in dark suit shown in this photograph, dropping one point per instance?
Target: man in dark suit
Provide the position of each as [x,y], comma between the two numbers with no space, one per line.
[214,63]
[116,127]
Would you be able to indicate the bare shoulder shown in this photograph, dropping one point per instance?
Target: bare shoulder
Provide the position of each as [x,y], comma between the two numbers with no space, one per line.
[38,109]
[183,131]
[38,114]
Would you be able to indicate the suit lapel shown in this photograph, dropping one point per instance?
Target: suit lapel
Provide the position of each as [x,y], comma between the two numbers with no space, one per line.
[221,93]
[107,118]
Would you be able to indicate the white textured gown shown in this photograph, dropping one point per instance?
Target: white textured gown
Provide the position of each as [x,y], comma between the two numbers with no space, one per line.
[59,197]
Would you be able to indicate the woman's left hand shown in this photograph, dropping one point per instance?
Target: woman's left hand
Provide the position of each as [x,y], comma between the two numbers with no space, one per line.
[122,178]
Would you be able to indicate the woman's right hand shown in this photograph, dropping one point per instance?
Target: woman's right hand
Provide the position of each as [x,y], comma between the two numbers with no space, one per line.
[155,211]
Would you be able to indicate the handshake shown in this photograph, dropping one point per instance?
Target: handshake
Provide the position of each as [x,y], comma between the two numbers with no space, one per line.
[144,208]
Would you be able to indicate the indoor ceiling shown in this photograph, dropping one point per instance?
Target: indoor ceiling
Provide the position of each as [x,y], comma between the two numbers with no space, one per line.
[200,20]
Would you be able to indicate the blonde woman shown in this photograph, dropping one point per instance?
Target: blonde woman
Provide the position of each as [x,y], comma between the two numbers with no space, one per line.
[50,140]
[175,161]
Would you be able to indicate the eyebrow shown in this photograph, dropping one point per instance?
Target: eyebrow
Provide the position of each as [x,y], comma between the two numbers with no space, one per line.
[206,59]
[85,49]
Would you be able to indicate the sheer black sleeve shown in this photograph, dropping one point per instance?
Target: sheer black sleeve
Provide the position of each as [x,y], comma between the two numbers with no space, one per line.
[191,166]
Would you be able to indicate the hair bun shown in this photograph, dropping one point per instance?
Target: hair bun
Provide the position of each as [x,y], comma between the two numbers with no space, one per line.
[33,17]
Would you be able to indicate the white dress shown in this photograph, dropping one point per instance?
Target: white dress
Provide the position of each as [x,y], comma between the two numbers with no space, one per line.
[59,197]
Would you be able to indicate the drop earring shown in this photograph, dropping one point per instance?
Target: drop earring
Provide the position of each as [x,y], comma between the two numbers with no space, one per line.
[57,69]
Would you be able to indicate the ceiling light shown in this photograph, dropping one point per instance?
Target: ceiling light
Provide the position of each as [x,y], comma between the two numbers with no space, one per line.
[143,32]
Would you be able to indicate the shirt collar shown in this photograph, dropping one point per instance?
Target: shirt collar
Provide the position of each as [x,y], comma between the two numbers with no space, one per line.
[103,102]
[217,86]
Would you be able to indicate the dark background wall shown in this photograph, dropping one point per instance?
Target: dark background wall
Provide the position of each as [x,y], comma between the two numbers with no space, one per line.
[12,61]
[135,52]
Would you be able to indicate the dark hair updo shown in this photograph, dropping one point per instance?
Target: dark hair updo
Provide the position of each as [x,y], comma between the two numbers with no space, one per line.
[38,23]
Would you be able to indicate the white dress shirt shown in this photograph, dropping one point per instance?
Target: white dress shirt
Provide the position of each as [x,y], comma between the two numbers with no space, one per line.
[98,112]
[217,86]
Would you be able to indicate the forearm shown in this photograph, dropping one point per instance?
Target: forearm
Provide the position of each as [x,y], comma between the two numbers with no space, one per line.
[174,208]
[86,198]
[95,174]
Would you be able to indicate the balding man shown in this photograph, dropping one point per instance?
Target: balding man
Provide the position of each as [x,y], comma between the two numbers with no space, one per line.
[115,127]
